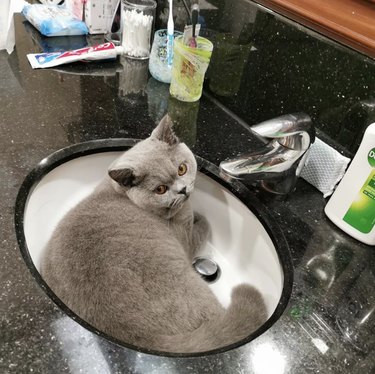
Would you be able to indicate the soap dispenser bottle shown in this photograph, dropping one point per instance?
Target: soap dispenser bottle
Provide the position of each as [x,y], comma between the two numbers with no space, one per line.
[352,206]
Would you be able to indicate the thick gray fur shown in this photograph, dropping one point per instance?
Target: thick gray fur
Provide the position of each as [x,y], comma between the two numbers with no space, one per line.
[121,259]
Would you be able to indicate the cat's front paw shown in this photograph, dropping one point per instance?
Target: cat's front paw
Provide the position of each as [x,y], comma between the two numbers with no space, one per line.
[201,221]
[201,231]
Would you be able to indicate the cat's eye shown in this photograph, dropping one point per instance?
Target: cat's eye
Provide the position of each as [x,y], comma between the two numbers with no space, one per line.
[162,189]
[182,169]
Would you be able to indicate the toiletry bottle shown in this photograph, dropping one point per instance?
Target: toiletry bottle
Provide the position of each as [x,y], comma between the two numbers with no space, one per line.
[352,206]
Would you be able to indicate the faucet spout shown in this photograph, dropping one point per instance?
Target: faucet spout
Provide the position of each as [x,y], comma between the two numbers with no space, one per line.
[286,126]
[278,164]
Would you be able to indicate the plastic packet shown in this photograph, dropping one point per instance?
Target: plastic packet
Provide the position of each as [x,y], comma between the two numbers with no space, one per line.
[54,20]
[325,167]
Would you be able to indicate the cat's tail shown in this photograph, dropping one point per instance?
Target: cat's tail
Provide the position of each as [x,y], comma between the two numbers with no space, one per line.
[246,313]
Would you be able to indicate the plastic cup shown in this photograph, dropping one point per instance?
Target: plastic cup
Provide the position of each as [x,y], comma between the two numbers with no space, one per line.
[188,69]
[137,23]
[114,24]
[159,68]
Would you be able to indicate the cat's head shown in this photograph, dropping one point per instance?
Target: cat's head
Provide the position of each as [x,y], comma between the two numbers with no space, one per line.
[158,173]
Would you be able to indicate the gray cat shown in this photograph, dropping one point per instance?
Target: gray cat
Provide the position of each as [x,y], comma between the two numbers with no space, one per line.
[121,259]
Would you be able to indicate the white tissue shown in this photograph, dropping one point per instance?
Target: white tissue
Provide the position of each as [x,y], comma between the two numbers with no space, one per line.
[325,167]
[7,9]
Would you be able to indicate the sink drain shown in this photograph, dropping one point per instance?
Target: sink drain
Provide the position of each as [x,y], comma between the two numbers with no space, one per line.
[208,269]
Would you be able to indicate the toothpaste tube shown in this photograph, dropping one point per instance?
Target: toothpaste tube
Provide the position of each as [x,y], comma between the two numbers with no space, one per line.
[99,52]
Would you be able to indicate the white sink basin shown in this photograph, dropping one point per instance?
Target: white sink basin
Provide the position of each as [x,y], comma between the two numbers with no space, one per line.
[239,244]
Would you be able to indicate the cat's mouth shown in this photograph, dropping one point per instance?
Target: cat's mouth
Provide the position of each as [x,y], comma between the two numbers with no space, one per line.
[177,203]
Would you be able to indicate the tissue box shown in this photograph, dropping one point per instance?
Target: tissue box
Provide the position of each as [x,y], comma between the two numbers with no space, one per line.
[97,14]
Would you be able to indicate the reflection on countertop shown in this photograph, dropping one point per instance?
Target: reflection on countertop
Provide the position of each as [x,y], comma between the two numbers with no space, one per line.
[329,323]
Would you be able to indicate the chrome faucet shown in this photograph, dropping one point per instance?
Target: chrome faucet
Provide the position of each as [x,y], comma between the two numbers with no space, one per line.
[277,165]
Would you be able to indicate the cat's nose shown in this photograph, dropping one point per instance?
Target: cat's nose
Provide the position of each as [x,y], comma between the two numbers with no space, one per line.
[183,191]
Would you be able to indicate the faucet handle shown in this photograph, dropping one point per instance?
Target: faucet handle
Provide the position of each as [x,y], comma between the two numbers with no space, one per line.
[288,125]
[278,164]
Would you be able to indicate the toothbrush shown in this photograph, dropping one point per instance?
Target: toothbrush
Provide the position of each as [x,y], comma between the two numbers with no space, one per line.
[170,36]
[194,21]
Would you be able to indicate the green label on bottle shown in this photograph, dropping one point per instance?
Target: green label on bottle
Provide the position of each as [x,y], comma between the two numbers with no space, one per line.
[371,158]
[361,213]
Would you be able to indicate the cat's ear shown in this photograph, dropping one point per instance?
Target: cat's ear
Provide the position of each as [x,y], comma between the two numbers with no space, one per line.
[164,131]
[124,176]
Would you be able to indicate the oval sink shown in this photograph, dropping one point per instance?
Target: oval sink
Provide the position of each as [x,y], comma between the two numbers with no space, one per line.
[246,245]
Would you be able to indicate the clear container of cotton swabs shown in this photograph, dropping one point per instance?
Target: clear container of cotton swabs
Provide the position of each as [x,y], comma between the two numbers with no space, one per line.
[137,25]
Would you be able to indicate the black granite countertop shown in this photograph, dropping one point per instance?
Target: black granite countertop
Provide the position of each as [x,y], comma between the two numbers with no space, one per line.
[328,325]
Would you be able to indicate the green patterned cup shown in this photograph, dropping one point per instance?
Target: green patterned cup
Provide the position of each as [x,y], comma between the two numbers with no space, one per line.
[188,69]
